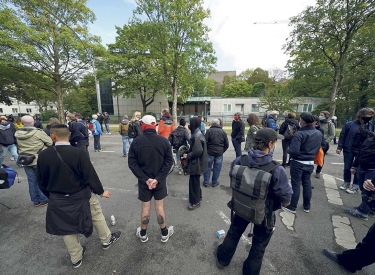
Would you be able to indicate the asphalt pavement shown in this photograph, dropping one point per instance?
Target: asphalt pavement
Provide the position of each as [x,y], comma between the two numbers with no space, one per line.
[295,249]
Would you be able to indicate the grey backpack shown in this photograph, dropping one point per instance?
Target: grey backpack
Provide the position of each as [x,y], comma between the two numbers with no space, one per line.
[250,187]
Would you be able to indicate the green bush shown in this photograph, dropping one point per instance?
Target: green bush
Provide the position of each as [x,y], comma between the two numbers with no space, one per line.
[46,115]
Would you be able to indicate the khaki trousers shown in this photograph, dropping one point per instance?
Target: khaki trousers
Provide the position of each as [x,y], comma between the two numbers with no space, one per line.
[98,220]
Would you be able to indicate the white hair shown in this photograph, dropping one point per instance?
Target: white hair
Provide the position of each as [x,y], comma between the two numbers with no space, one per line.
[216,121]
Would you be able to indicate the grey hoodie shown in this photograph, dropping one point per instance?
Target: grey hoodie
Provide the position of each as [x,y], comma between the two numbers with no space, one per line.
[30,140]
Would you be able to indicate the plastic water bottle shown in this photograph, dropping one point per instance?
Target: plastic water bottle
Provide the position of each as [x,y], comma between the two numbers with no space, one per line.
[113,220]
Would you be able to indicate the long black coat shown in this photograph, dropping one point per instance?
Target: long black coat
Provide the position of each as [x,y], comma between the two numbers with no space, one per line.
[197,156]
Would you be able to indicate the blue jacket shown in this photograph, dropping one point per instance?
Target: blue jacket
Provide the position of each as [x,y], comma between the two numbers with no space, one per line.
[306,143]
[347,135]
[281,192]
[271,123]
[98,127]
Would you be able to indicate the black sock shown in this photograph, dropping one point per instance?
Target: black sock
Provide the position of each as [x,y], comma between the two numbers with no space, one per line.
[164,231]
[143,232]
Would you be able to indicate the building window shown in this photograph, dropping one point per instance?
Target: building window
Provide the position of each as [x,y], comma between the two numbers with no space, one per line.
[255,108]
[14,110]
[105,86]
[227,107]
[1,110]
[28,110]
[307,107]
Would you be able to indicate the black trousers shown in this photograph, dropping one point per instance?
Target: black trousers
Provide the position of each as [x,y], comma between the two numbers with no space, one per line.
[195,191]
[363,255]
[325,150]
[285,143]
[84,146]
[261,238]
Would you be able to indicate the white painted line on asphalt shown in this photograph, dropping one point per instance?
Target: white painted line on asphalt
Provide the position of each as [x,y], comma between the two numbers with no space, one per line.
[288,218]
[343,232]
[227,221]
[337,163]
[108,151]
[332,191]
[125,190]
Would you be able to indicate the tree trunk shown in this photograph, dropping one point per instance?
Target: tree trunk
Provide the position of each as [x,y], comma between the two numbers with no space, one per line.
[174,105]
[60,101]
[338,80]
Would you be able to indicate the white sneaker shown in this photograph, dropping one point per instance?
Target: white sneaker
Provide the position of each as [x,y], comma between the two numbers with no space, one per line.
[109,133]
[12,158]
[142,238]
[352,190]
[164,239]
[344,186]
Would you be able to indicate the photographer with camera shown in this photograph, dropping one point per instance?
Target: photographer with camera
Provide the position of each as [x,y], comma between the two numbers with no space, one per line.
[363,255]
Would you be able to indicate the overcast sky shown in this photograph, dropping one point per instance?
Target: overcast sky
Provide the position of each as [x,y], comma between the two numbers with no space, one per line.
[238,42]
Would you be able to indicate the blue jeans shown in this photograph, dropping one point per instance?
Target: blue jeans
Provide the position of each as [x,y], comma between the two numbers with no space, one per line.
[217,162]
[348,162]
[237,147]
[361,176]
[107,127]
[300,174]
[36,195]
[261,238]
[124,139]
[12,149]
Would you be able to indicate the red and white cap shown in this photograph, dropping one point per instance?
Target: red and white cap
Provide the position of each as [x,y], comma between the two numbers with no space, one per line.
[149,120]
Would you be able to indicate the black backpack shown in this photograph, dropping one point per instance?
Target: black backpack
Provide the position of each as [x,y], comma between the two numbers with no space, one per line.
[250,187]
[132,130]
[291,129]
[265,121]
[178,138]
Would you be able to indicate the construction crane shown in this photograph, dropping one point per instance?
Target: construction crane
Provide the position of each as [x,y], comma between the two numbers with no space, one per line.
[273,22]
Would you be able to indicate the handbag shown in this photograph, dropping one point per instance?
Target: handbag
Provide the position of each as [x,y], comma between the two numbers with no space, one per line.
[26,158]
[319,157]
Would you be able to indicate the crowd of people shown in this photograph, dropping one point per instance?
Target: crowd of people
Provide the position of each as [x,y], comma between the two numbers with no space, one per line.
[69,185]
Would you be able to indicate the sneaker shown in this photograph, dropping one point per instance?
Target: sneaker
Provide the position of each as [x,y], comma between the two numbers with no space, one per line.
[352,190]
[205,184]
[180,172]
[124,155]
[12,158]
[287,208]
[78,264]
[96,150]
[317,175]
[109,133]
[371,214]
[333,257]
[100,150]
[215,184]
[44,204]
[164,239]
[37,204]
[344,186]
[114,238]
[306,210]
[356,213]
[192,207]
[142,238]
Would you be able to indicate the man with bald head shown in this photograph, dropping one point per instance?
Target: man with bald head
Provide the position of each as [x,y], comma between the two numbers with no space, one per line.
[217,144]
[31,141]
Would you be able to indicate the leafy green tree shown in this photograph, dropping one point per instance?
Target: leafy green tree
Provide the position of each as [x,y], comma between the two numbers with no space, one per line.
[258,89]
[259,75]
[237,89]
[133,68]
[51,38]
[175,33]
[333,37]
[82,98]
[204,87]
[279,98]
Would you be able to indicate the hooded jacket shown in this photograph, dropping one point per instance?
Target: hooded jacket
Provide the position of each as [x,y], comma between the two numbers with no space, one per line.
[7,131]
[288,121]
[31,140]
[271,123]
[347,134]
[166,125]
[98,128]
[123,127]
[197,156]
[281,192]
[329,129]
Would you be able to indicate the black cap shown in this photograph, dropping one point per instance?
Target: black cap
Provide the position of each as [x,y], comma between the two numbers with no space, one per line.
[307,117]
[266,135]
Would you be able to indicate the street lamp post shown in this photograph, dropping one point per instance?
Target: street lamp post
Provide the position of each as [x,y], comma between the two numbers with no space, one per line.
[205,109]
